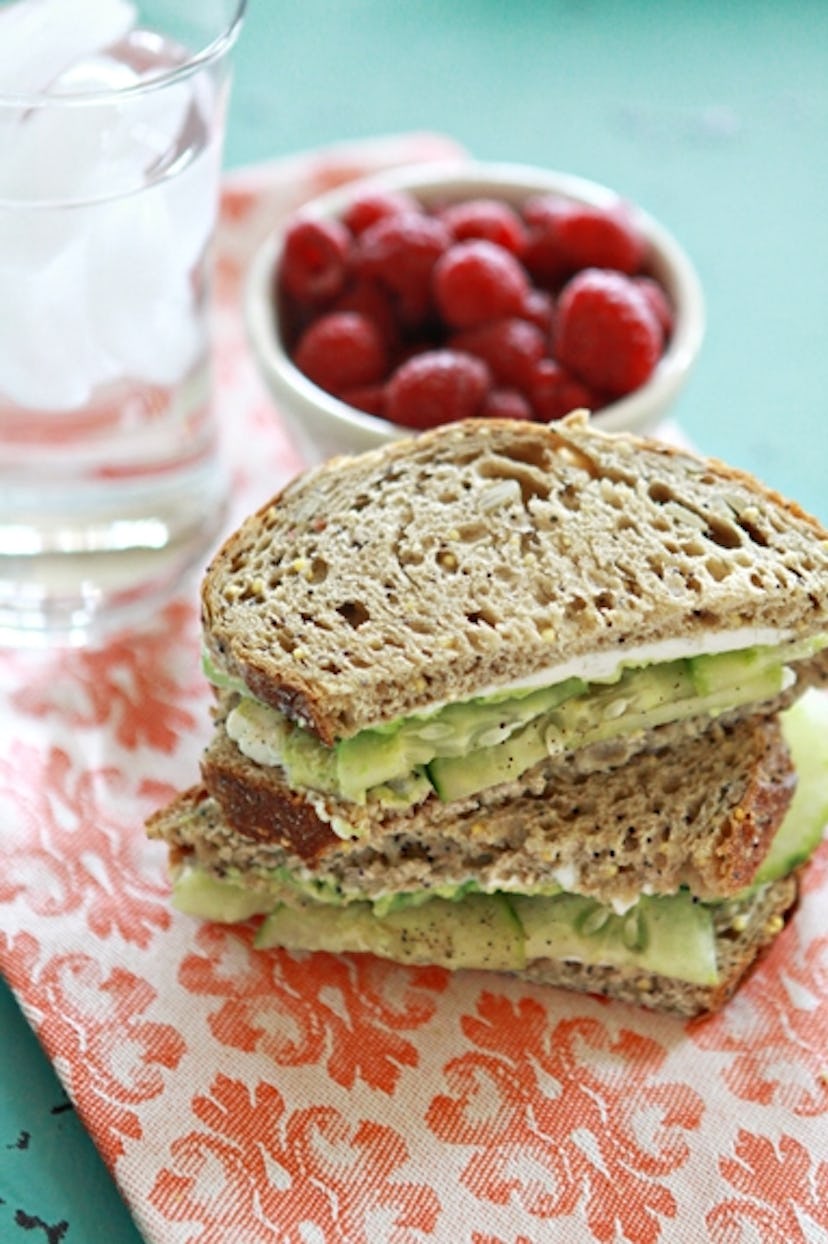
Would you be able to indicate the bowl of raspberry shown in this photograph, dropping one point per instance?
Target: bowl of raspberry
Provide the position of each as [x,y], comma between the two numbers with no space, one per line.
[469,290]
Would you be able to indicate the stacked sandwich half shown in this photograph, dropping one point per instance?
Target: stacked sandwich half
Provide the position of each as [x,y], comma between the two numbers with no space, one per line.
[516,697]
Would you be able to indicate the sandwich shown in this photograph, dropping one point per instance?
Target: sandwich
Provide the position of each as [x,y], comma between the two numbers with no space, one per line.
[515,697]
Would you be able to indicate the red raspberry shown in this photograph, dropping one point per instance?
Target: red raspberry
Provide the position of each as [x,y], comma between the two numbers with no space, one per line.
[436,387]
[511,348]
[491,219]
[505,404]
[370,399]
[314,259]
[659,303]
[555,392]
[605,331]
[476,281]
[367,209]
[565,237]
[539,309]
[400,252]
[342,351]
[542,256]
[372,300]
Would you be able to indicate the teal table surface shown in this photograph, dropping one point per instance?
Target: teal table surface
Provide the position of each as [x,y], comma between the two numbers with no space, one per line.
[714,117]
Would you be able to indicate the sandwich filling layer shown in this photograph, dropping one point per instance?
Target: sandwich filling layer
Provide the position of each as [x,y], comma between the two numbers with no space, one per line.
[672,935]
[458,749]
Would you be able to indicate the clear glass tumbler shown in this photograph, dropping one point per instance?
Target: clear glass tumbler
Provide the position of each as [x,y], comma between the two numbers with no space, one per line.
[112,120]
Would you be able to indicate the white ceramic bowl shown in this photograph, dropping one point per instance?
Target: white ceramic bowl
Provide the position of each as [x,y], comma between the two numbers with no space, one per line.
[322,425]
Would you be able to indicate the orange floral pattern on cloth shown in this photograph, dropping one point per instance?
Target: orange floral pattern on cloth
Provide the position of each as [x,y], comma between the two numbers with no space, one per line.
[345,1013]
[90,1020]
[565,1117]
[782,1189]
[67,855]
[291,1176]
[241,1096]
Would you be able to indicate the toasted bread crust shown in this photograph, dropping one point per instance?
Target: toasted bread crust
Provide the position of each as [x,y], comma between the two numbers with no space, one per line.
[489,550]
[269,813]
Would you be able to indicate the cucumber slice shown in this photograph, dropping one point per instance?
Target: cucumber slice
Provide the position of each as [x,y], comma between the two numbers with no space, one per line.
[377,757]
[671,935]
[640,700]
[805,726]
[455,777]
[479,931]
[196,893]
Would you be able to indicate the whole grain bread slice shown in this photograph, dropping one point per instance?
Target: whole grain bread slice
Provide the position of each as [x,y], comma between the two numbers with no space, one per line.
[486,551]
[702,815]
[744,927]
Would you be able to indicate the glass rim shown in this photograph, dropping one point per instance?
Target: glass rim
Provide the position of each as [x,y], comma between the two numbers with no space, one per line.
[207,55]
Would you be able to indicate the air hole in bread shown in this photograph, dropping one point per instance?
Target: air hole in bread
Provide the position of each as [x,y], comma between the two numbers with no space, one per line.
[575,605]
[528,481]
[470,533]
[717,568]
[570,498]
[543,591]
[751,530]
[604,600]
[612,494]
[354,613]
[533,453]
[723,533]
[660,492]
[482,617]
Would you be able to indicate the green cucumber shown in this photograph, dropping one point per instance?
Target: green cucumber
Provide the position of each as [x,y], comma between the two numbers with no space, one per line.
[196,893]
[805,727]
[670,935]
[478,931]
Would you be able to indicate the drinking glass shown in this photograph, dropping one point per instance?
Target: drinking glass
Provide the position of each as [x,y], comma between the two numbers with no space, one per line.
[112,121]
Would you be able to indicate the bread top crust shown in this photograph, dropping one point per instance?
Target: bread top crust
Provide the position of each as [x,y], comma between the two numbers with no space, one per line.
[486,551]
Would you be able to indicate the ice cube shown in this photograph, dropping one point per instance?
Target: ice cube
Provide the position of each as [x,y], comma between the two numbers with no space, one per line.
[192,200]
[40,39]
[95,150]
[141,299]
[49,358]
[51,157]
